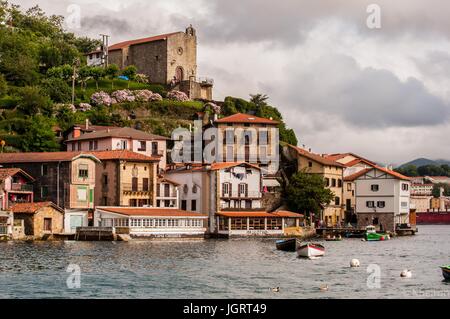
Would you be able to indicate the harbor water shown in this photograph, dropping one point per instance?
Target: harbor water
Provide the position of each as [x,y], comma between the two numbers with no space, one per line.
[237,268]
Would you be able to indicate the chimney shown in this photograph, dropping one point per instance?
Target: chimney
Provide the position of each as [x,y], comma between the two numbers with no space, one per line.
[76,131]
[87,124]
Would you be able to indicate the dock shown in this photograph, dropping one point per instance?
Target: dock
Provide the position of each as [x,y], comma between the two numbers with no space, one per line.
[95,234]
[340,231]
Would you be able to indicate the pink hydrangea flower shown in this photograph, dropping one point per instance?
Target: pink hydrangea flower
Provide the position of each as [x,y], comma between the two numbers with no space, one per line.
[178,96]
[101,98]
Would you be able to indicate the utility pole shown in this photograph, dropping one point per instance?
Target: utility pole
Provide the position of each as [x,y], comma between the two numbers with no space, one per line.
[105,41]
[76,63]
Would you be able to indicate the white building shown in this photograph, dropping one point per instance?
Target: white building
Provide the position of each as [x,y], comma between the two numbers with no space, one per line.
[152,222]
[382,198]
[422,189]
[167,194]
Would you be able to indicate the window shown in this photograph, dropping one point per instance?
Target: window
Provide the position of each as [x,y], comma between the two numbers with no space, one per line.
[123,145]
[404,204]
[327,182]
[370,204]
[256,224]
[82,195]
[91,145]
[274,223]
[105,201]
[405,187]
[95,145]
[134,184]
[83,171]
[339,182]
[337,201]
[333,182]
[226,189]
[105,180]
[48,224]
[73,147]
[44,192]
[381,204]
[166,190]
[154,148]
[183,204]
[44,170]
[238,223]
[194,205]
[133,202]
[349,187]
[243,189]
[145,184]
[375,188]
[310,164]
[142,146]
[79,146]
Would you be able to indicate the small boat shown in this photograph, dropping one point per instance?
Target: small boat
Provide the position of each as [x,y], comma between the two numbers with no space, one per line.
[446,272]
[339,238]
[310,250]
[286,244]
[372,235]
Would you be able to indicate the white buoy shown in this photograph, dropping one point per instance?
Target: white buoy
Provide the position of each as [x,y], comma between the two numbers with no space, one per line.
[406,273]
[275,290]
[355,263]
[324,288]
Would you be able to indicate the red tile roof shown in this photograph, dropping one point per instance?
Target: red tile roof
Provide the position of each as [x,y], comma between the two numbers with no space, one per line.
[8,172]
[246,118]
[32,208]
[42,157]
[316,157]
[125,44]
[259,214]
[123,132]
[123,155]
[166,180]
[224,165]
[338,156]
[364,171]
[150,212]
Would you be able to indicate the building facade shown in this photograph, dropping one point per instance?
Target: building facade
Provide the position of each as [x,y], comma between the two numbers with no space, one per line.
[382,198]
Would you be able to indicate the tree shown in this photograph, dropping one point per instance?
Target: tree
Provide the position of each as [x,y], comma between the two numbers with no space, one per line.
[259,100]
[130,72]
[97,73]
[84,75]
[64,72]
[112,71]
[57,89]
[437,190]
[307,193]
[409,170]
[40,136]
[3,85]
[33,101]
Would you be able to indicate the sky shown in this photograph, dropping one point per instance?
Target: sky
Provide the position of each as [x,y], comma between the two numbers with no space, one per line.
[343,86]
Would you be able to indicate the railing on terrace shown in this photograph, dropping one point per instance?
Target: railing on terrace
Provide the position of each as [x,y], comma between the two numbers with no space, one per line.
[172,195]
[129,187]
[250,194]
[21,187]
[205,80]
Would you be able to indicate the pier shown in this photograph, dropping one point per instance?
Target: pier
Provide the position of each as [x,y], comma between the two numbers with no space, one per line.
[95,234]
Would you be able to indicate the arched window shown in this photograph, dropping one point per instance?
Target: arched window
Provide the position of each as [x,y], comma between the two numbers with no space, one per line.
[179,74]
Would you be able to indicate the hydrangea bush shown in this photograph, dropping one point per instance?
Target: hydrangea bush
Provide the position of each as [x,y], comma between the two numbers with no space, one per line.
[155,97]
[84,107]
[122,96]
[60,106]
[101,99]
[143,95]
[178,96]
[142,78]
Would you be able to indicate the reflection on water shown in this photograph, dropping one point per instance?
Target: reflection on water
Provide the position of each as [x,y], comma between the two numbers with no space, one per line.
[240,268]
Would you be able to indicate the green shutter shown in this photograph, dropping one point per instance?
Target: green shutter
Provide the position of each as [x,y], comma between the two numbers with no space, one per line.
[91,196]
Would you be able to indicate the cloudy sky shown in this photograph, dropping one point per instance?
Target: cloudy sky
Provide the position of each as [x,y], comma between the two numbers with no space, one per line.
[344,87]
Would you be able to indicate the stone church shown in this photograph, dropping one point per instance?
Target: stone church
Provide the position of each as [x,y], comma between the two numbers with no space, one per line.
[169,59]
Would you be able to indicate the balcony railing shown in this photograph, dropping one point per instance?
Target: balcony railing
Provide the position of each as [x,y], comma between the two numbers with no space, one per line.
[205,80]
[129,187]
[166,195]
[250,194]
[21,187]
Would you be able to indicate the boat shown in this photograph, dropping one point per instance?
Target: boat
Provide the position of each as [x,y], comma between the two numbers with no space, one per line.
[372,235]
[286,244]
[310,250]
[446,272]
[334,238]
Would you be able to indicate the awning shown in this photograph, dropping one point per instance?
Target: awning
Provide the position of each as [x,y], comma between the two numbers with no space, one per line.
[271,183]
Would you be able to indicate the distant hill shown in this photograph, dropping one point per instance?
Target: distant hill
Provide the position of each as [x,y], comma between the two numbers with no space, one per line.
[425,161]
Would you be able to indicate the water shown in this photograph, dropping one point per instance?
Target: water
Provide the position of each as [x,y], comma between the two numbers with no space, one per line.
[241,268]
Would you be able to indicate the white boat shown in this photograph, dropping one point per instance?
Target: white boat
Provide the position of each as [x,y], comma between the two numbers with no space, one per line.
[310,250]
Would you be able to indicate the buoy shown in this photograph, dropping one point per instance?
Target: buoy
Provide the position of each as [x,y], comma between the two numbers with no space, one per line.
[406,273]
[324,288]
[276,289]
[355,263]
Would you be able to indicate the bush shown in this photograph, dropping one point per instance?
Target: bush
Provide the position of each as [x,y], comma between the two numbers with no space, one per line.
[9,102]
[178,96]
[143,95]
[101,99]
[3,85]
[122,96]
[33,101]
[57,89]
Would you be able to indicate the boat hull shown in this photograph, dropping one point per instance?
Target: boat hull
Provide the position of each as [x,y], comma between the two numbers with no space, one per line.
[376,237]
[310,251]
[286,245]
[446,273]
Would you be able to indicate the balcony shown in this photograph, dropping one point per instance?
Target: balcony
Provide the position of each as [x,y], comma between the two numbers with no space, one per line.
[158,153]
[133,188]
[205,80]
[233,195]
[165,195]
[21,187]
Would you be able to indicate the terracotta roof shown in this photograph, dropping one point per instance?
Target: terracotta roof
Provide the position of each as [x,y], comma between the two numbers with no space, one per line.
[203,167]
[8,172]
[163,179]
[151,212]
[125,44]
[32,208]
[224,165]
[338,156]
[123,155]
[42,157]
[259,214]
[124,132]
[364,171]
[316,157]
[359,160]
[246,118]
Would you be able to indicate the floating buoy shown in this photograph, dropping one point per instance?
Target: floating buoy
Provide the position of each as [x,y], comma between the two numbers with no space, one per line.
[276,289]
[324,288]
[355,263]
[406,273]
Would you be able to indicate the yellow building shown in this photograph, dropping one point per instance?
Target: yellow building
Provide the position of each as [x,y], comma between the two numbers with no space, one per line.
[331,171]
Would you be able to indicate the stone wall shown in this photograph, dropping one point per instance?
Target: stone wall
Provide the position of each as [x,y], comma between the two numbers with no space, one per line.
[57,221]
[386,220]
[150,59]
[181,52]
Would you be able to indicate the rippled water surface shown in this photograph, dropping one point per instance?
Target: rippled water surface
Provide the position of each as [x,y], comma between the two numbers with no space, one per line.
[240,268]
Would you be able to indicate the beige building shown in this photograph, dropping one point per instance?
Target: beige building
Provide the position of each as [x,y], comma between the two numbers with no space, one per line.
[421,203]
[333,174]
